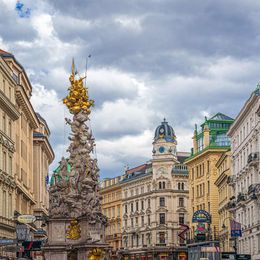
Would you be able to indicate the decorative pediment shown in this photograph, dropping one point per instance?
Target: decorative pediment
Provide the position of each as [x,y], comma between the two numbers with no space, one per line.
[142,212]
[148,211]
[162,177]
[181,209]
[162,209]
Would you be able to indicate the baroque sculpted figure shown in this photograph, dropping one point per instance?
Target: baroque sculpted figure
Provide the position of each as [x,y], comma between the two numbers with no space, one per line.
[75,191]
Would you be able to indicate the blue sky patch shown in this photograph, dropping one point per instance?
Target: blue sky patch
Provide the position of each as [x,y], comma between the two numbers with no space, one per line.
[22,11]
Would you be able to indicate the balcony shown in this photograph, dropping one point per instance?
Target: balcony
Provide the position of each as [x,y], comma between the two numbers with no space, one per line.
[231,204]
[241,197]
[253,159]
[231,180]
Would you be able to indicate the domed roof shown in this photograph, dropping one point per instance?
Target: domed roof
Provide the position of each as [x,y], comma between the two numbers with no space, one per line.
[165,131]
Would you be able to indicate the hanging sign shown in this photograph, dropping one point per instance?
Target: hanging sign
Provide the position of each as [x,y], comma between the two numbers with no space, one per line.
[26,219]
[201,216]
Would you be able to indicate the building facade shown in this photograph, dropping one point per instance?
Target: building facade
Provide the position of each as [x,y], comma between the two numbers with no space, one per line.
[225,192]
[111,192]
[209,142]
[23,167]
[155,202]
[9,114]
[245,148]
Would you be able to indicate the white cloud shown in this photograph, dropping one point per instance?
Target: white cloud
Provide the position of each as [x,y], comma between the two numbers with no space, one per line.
[130,23]
[47,103]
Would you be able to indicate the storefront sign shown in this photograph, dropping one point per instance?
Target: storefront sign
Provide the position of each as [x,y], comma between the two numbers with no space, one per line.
[13,249]
[26,219]
[7,241]
[201,216]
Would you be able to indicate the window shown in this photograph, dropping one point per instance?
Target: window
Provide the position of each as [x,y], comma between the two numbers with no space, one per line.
[149,220]
[162,201]
[181,202]
[142,219]
[118,211]
[142,204]
[162,238]
[10,168]
[137,240]
[136,220]
[181,218]
[132,207]
[125,223]
[132,222]
[132,240]
[149,203]
[136,205]
[10,128]
[160,185]
[142,190]
[4,203]
[4,123]
[4,161]
[148,187]
[179,186]
[142,239]
[182,186]
[163,185]
[125,208]
[162,218]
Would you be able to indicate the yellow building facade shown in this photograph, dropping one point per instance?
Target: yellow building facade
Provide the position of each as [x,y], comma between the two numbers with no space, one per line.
[111,192]
[224,193]
[25,152]
[209,143]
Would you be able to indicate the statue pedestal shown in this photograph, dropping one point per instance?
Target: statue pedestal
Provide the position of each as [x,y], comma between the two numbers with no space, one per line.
[59,247]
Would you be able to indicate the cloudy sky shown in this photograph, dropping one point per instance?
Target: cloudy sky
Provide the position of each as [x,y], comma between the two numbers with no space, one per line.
[150,59]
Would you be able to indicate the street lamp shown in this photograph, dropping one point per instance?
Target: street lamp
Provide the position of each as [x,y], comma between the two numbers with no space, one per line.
[223,227]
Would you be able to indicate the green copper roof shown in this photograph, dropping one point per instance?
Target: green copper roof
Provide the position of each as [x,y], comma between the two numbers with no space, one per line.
[220,116]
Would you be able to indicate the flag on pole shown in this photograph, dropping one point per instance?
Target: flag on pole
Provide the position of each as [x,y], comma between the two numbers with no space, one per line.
[235,228]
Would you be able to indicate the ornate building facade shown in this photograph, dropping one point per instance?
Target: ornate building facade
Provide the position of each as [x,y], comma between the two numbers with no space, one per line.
[111,192]
[225,192]
[245,180]
[24,168]
[155,201]
[209,142]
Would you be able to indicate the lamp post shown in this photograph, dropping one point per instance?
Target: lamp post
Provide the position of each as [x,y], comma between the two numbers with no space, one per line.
[223,227]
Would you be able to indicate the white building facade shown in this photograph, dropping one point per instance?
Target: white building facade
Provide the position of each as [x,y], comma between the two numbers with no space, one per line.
[245,178]
[155,202]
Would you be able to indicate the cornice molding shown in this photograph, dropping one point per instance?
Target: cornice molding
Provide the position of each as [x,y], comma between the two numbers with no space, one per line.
[45,144]
[8,106]
[24,102]
[7,142]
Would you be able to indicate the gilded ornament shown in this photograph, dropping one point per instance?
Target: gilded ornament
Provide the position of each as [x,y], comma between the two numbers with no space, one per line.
[95,254]
[73,231]
[77,100]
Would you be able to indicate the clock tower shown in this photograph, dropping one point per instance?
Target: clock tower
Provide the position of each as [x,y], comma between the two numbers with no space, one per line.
[164,150]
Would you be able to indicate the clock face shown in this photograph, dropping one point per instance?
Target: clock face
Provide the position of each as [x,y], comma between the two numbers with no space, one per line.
[161,149]
[161,170]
